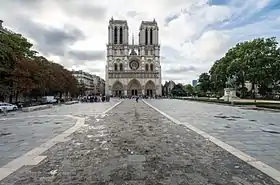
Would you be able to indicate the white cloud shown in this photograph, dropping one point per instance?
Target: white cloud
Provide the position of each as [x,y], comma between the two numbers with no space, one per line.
[190,41]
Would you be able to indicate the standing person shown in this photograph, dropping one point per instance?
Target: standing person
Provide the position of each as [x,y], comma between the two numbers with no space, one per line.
[137,98]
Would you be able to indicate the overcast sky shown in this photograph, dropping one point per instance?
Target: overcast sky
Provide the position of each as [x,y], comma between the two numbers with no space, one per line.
[193,33]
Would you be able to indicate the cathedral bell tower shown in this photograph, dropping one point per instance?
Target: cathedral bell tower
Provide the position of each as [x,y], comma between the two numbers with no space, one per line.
[133,69]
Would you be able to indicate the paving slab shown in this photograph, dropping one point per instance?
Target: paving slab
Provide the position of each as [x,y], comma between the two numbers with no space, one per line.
[20,132]
[256,130]
[134,144]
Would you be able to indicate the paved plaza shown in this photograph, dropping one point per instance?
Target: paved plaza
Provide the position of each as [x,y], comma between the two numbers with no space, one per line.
[135,144]
[21,132]
[256,133]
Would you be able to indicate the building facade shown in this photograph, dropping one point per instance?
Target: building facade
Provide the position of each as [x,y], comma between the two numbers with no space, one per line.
[194,83]
[167,88]
[133,69]
[89,84]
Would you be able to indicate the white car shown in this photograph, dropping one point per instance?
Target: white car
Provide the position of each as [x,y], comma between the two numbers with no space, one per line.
[7,106]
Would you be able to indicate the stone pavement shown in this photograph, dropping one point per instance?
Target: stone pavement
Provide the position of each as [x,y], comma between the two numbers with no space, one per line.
[22,131]
[246,130]
[134,144]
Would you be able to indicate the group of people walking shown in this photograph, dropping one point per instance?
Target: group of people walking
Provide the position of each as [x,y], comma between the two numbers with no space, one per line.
[101,98]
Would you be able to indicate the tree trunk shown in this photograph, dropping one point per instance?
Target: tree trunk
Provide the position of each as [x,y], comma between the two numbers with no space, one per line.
[17,93]
[253,95]
[10,98]
[243,90]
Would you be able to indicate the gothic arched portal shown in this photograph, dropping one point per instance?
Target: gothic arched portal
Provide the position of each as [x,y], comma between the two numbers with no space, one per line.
[134,88]
[117,89]
[150,88]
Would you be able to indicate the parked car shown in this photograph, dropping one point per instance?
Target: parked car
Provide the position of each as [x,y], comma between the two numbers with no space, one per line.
[7,106]
[48,100]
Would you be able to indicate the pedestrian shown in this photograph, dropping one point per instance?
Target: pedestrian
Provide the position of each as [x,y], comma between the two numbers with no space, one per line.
[137,99]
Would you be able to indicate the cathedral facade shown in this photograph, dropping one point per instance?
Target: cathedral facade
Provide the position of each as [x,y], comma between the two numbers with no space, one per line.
[133,69]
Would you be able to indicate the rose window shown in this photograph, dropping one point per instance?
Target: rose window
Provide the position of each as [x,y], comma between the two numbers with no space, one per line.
[134,65]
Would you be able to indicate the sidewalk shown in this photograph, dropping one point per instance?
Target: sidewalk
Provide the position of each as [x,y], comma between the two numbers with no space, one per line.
[135,145]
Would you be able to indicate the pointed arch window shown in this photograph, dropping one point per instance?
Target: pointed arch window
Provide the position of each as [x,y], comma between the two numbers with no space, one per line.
[152,67]
[146,36]
[115,35]
[151,36]
[121,35]
[147,67]
[121,67]
[116,67]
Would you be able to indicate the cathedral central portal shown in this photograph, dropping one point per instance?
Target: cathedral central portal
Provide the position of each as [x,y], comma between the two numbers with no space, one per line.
[133,69]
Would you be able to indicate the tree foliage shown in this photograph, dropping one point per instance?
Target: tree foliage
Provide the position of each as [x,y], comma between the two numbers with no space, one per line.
[256,61]
[22,71]
[189,89]
[178,90]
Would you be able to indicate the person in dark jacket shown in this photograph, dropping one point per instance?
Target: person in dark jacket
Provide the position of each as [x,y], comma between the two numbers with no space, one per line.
[137,98]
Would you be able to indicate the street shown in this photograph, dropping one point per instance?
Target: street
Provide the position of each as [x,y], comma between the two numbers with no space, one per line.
[135,144]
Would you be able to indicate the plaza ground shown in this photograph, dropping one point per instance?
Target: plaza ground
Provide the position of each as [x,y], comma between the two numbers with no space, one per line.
[135,144]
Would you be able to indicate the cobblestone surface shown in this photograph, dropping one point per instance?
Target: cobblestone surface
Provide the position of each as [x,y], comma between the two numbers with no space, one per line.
[246,130]
[21,132]
[133,144]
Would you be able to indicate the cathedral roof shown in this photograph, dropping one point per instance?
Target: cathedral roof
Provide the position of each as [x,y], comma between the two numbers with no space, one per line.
[117,21]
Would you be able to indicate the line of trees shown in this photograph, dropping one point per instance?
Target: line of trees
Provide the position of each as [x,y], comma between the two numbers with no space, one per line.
[256,61]
[24,73]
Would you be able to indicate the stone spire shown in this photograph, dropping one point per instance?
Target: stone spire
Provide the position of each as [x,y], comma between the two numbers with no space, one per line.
[133,52]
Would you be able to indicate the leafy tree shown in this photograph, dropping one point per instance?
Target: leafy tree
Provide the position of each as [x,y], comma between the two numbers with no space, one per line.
[255,61]
[22,71]
[204,82]
[178,90]
[189,89]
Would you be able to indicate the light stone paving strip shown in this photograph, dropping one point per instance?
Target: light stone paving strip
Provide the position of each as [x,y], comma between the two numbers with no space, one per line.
[275,174]
[33,156]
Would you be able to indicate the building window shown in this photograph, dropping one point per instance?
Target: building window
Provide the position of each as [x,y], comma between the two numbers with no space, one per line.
[151,36]
[146,36]
[116,66]
[147,67]
[121,35]
[115,35]
[152,67]
[121,67]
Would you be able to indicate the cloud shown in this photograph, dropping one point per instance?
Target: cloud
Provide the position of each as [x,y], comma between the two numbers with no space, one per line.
[181,69]
[87,55]
[83,10]
[49,40]
[132,14]
[170,18]
[193,33]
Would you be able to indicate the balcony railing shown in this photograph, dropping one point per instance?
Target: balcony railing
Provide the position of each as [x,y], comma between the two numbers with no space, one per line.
[133,74]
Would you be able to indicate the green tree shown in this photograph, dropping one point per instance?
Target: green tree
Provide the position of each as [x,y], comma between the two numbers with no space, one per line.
[178,90]
[189,89]
[255,61]
[23,72]
[204,83]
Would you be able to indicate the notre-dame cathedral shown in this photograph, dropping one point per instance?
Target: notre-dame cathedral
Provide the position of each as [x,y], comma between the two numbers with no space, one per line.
[133,69]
